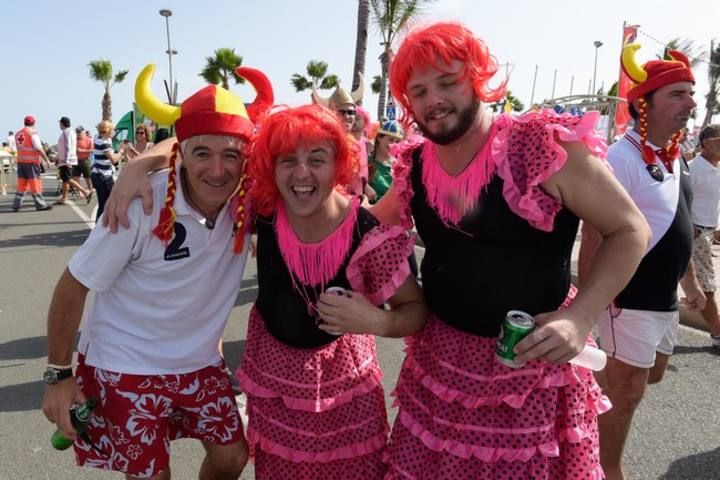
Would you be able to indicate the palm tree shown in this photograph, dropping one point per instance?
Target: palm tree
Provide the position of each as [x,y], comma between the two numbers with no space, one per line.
[102,71]
[220,68]
[391,16]
[317,73]
[361,42]
[694,54]
[712,100]
[376,84]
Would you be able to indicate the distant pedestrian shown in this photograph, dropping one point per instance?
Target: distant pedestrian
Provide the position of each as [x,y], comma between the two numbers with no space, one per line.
[705,178]
[67,160]
[84,149]
[141,144]
[104,161]
[29,157]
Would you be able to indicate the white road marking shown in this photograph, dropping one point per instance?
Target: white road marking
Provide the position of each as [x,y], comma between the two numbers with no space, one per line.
[88,220]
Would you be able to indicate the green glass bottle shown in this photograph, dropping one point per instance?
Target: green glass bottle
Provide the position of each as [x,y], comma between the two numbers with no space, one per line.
[79,417]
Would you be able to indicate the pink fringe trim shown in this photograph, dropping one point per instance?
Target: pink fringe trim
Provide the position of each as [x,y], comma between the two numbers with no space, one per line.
[377,236]
[488,454]
[402,183]
[523,199]
[315,263]
[310,405]
[349,451]
[453,197]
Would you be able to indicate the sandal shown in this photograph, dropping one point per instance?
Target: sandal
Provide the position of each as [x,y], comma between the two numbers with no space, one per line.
[88,198]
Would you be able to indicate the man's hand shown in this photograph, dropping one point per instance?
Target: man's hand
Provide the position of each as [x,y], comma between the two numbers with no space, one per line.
[349,314]
[57,402]
[558,337]
[694,298]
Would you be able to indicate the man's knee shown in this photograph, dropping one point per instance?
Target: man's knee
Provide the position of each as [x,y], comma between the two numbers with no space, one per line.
[228,459]
[625,385]
[657,372]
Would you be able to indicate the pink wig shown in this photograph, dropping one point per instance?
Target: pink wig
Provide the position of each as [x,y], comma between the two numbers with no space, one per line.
[366,116]
[437,46]
[284,132]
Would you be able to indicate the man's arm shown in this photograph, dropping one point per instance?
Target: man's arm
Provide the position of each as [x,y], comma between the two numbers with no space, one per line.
[37,145]
[587,187]
[694,296]
[64,317]
[133,182]
[590,242]
[386,209]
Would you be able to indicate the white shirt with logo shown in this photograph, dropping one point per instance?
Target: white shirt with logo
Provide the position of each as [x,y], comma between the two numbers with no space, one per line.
[158,309]
[705,178]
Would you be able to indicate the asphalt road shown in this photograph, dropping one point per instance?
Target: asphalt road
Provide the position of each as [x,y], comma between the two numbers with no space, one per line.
[675,436]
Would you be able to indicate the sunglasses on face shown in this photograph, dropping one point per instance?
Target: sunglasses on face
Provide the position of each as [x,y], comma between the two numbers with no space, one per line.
[349,113]
[140,132]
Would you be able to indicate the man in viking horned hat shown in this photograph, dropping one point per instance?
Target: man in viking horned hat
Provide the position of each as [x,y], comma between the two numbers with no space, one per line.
[164,288]
[639,330]
[344,103]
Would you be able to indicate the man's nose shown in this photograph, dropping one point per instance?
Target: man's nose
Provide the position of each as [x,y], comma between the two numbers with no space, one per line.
[301,169]
[217,168]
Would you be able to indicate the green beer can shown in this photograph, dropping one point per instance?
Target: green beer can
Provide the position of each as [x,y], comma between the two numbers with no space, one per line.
[516,326]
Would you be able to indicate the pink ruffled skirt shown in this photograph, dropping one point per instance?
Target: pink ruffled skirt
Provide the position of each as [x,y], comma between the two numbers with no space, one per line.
[464,415]
[313,413]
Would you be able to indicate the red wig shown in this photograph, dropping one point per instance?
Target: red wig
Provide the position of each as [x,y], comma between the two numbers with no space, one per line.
[284,132]
[437,46]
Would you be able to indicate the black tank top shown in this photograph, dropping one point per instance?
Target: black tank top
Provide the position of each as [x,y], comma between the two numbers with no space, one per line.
[281,306]
[494,261]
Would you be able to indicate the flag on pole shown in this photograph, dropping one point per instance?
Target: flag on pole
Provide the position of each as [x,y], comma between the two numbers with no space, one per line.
[622,114]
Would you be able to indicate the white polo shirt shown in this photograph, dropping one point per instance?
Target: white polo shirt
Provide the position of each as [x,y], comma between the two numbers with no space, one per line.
[705,180]
[656,200]
[156,309]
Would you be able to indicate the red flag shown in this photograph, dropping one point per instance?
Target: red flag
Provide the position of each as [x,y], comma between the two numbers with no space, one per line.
[622,114]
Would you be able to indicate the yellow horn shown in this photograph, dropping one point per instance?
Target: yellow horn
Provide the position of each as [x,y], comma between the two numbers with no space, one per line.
[357,95]
[635,71]
[149,104]
[317,98]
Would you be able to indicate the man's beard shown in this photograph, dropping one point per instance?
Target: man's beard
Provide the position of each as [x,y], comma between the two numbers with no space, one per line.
[466,118]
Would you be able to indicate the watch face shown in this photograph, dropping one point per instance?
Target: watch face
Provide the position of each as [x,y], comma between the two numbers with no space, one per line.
[50,376]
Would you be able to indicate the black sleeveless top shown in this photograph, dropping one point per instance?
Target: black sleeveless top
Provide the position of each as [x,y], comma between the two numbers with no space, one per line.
[654,285]
[282,308]
[492,262]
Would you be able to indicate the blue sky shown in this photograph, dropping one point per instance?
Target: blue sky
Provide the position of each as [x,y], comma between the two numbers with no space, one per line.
[49,44]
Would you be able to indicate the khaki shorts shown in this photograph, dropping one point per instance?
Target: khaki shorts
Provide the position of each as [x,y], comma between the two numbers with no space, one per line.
[702,258]
[634,336]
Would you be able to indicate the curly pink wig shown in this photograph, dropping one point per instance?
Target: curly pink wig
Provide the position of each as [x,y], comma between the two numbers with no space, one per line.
[283,132]
[438,45]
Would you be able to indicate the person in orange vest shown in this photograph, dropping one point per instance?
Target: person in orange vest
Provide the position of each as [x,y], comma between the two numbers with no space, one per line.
[29,154]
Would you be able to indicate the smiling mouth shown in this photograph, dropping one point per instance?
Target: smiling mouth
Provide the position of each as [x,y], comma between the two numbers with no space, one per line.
[220,184]
[439,115]
[303,191]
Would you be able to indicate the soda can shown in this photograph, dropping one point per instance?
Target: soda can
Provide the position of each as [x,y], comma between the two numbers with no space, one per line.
[516,326]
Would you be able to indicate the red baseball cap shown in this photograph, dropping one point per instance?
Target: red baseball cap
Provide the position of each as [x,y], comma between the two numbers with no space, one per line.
[29,120]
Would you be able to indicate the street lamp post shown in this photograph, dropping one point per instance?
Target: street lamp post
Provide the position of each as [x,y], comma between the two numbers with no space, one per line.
[597,44]
[171,90]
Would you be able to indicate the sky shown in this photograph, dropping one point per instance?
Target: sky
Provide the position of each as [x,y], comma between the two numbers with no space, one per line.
[49,43]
